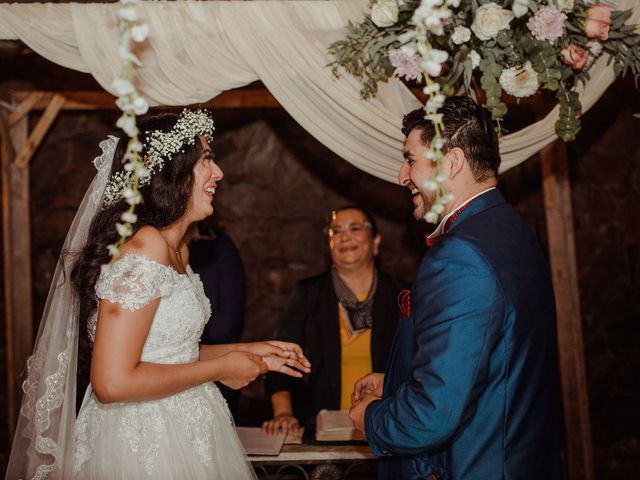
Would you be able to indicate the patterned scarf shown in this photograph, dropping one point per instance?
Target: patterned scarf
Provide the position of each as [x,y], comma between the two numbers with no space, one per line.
[358,316]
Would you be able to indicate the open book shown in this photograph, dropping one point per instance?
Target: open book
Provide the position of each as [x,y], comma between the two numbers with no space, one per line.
[256,442]
[335,426]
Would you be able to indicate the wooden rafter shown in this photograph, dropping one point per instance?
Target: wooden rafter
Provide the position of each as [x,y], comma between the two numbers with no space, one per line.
[40,130]
[25,106]
[250,97]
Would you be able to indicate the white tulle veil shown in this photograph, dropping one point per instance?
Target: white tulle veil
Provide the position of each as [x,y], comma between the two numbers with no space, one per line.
[43,445]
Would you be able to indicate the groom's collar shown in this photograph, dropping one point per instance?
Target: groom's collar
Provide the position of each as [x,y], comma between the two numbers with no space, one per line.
[466,208]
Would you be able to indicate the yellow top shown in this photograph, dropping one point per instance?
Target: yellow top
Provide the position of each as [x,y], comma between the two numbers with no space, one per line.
[356,357]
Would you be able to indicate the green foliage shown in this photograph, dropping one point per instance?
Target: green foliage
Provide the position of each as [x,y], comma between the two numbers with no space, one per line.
[364,53]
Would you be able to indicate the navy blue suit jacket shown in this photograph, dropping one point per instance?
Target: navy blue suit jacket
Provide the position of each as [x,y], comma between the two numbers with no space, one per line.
[470,388]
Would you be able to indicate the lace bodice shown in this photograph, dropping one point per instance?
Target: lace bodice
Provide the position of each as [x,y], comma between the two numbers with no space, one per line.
[186,435]
[133,281]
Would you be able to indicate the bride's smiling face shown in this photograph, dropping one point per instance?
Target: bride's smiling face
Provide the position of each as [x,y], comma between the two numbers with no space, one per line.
[206,175]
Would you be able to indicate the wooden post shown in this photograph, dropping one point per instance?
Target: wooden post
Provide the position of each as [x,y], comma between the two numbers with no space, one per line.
[17,262]
[557,202]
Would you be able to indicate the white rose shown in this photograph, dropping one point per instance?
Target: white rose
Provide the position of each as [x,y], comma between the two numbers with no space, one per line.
[475,59]
[461,35]
[490,19]
[384,13]
[520,7]
[565,5]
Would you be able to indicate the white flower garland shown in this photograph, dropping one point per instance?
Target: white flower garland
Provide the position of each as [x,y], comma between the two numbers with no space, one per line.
[131,102]
[429,18]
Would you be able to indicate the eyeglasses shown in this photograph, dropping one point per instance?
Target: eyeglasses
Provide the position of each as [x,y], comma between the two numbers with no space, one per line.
[352,228]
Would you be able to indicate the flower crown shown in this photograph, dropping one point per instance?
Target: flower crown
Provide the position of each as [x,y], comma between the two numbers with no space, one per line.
[161,146]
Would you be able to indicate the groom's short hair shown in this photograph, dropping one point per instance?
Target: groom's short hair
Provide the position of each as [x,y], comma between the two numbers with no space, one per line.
[468,126]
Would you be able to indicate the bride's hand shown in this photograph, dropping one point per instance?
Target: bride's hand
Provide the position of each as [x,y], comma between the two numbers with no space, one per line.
[240,368]
[283,353]
[288,366]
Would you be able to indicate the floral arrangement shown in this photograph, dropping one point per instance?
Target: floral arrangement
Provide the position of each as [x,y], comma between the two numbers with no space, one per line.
[132,103]
[160,147]
[484,48]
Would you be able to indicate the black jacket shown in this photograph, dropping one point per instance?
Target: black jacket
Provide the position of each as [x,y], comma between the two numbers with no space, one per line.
[311,320]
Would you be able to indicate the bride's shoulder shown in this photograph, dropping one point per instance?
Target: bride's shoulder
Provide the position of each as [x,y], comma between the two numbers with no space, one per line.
[147,242]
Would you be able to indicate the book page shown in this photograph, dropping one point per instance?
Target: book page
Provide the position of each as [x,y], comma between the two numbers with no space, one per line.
[294,438]
[256,442]
[335,425]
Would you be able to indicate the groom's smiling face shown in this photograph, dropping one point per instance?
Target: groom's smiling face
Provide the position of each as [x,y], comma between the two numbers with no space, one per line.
[415,171]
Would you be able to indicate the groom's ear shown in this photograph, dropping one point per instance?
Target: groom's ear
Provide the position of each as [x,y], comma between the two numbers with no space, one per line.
[456,161]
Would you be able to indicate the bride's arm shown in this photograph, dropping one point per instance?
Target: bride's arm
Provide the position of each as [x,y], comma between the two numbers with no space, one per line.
[118,374]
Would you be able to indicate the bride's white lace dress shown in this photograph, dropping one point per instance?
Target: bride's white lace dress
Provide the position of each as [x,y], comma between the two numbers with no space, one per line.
[189,435]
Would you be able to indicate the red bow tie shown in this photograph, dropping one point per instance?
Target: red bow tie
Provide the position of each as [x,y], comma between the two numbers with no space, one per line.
[431,241]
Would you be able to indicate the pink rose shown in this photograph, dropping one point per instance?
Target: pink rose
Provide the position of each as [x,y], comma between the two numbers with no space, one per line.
[598,21]
[574,56]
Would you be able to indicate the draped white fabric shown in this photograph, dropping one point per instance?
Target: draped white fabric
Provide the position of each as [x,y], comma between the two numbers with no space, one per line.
[198,49]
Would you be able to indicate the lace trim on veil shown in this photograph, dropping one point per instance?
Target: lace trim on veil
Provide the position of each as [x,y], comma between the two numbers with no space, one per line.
[43,444]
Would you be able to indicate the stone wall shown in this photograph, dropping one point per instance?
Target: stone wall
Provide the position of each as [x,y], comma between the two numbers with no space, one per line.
[279,184]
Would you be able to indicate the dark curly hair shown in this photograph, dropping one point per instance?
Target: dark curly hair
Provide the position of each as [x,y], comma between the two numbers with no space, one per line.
[166,199]
[467,126]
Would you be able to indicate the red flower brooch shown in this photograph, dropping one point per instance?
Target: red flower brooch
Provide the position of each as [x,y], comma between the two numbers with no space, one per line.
[404,303]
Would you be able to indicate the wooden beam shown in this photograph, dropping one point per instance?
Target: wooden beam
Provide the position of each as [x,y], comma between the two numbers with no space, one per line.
[17,262]
[250,97]
[24,107]
[40,130]
[560,233]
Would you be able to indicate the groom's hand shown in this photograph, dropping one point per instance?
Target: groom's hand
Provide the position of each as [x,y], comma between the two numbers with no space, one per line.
[357,411]
[370,384]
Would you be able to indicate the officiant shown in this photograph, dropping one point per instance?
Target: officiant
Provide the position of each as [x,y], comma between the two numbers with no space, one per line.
[344,319]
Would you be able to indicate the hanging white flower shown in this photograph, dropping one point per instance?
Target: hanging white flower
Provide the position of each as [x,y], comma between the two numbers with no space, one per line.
[128,124]
[123,229]
[460,35]
[434,103]
[432,61]
[122,87]
[431,217]
[384,13]
[433,88]
[129,217]
[128,14]
[520,7]
[140,106]
[490,19]
[475,59]
[140,32]
[431,16]
[520,81]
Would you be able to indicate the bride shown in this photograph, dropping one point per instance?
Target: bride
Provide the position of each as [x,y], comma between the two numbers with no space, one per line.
[151,408]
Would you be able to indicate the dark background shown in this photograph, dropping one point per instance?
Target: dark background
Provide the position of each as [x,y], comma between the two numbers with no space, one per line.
[280,182]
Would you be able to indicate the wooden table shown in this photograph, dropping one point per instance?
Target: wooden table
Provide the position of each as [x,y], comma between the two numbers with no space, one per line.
[318,461]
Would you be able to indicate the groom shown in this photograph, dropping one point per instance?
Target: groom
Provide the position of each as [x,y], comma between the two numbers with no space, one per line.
[469,391]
